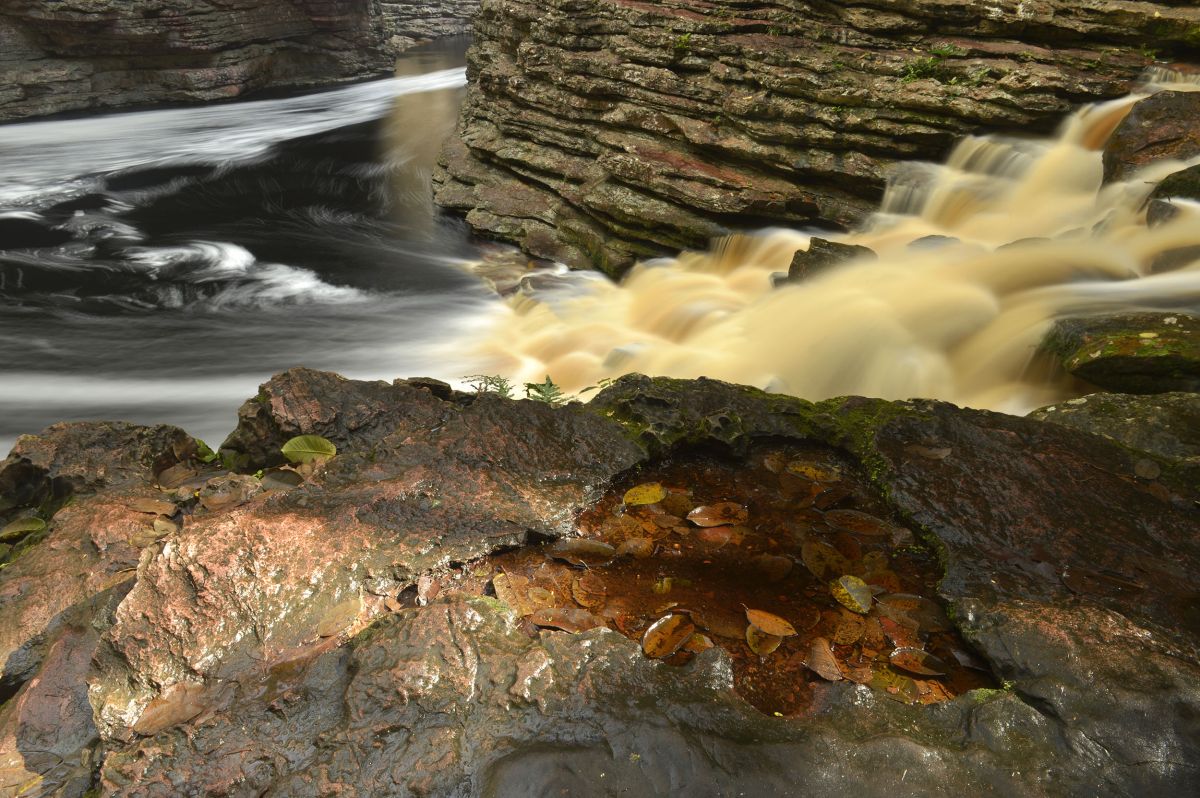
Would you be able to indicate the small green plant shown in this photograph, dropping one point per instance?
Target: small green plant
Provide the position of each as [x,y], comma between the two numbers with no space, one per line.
[1149,53]
[921,68]
[946,50]
[546,392]
[490,383]
[599,386]
[683,44]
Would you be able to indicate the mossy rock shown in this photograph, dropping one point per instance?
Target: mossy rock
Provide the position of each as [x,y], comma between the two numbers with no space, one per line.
[1137,353]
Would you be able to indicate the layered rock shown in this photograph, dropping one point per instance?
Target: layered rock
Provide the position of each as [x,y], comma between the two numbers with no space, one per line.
[93,54]
[268,647]
[598,131]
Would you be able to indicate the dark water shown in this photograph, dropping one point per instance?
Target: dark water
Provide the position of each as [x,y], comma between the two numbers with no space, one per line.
[157,266]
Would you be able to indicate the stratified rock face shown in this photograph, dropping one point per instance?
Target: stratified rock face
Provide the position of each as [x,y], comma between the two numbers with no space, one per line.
[84,54]
[598,131]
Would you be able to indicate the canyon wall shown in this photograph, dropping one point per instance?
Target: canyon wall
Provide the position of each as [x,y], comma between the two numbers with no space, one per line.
[599,131]
[97,54]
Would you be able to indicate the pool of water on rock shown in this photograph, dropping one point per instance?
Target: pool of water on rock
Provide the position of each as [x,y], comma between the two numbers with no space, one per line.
[809,520]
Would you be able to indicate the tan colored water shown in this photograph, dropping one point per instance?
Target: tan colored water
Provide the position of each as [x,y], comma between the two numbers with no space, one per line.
[1038,238]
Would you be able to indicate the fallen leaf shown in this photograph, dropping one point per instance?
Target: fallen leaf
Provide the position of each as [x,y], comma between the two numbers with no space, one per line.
[901,635]
[153,506]
[641,548]
[176,475]
[646,493]
[814,472]
[308,449]
[895,685]
[852,593]
[849,629]
[165,526]
[927,613]
[510,588]
[568,619]
[760,642]
[823,560]
[281,480]
[427,589]
[719,514]
[540,598]
[21,527]
[698,643]
[857,522]
[918,661]
[821,660]
[582,552]
[872,636]
[667,635]
[715,535]
[589,591]
[770,623]
[773,567]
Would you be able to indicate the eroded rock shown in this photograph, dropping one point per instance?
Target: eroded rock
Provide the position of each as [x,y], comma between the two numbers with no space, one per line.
[1131,352]
[1162,127]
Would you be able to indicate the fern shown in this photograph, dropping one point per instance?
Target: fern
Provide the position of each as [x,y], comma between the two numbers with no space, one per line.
[490,383]
[546,392]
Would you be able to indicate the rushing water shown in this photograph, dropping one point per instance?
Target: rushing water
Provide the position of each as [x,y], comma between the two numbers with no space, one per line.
[214,246]
[207,248]
[1016,234]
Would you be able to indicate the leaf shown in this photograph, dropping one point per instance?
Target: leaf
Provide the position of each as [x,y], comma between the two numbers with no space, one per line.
[773,567]
[814,472]
[568,619]
[900,634]
[178,703]
[823,560]
[640,548]
[770,623]
[176,475]
[662,585]
[281,479]
[589,591]
[849,629]
[918,661]
[308,449]
[667,635]
[582,552]
[165,526]
[510,589]
[719,514]
[928,614]
[852,593]
[540,598]
[760,642]
[698,643]
[857,522]
[646,493]
[546,392]
[20,528]
[153,506]
[715,535]
[821,660]
[895,685]
[872,637]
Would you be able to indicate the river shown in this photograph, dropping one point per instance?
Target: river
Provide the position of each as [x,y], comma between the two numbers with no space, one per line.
[207,248]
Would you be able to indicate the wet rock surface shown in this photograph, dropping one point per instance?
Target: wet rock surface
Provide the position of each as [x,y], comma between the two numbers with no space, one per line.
[330,638]
[108,54]
[1131,352]
[1166,425]
[1158,128]
[822,255]
[591,127]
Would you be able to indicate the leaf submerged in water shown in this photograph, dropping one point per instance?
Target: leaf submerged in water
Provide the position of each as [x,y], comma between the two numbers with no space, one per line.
[589,591]
[823,560]
[760,642]
[640,548]
[821,660]
[719,514]
[918,661]
[568,619]
[852,593]
[582,552]
[646,493]
[770,623]
[667,635]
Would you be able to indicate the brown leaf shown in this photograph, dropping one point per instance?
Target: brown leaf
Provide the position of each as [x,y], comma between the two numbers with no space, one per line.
[698,643]
[773,567]
[858,522]
[511,589]
[901,635]
[568,619]
[760,642]
[850,629]
[589,591]
[895,685]
[928,614]
[582,552]
[852,593]
[821,660]
[814,472]
[667,635]
[915,660]
[770,623]
[719,514]
[639,547]
[872,636]
[427,589]
[715,535]
[823,560]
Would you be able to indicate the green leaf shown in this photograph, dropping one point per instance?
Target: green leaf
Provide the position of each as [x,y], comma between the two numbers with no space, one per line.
[308,449]
[204,452]
[21,527]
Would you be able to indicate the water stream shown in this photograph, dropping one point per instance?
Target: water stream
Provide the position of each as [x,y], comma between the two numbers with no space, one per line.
[206,248]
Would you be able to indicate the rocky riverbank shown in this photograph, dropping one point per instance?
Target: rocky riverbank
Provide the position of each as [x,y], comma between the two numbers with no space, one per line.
[596,132]
[175,627]
[104,54]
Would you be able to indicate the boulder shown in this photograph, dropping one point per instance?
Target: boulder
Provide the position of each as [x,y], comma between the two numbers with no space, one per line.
[1164,126]
[269,647]
[821,255]
[1165,425]
[1130,353]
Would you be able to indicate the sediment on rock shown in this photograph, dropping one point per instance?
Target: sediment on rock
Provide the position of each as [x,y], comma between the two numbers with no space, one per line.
[108,54]
[595,132]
